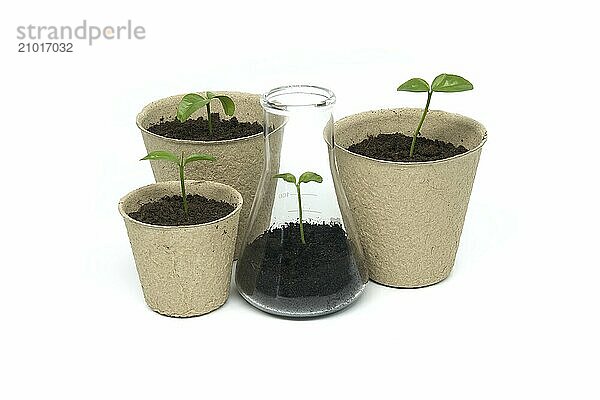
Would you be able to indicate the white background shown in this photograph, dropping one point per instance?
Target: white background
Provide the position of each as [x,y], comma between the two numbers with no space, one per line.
[518,317]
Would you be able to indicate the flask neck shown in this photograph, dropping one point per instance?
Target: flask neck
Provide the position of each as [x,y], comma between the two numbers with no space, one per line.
[302,110]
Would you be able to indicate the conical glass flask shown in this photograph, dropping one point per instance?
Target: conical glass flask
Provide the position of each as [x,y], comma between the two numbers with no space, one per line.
[307,261]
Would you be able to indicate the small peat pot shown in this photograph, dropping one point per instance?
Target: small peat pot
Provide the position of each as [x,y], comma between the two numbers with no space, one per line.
[409,213]
[183,259]
[236,142]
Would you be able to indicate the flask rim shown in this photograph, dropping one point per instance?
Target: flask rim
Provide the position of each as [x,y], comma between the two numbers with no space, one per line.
[284,99]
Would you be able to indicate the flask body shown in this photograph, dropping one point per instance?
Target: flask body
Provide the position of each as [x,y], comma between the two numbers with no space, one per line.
[308,262]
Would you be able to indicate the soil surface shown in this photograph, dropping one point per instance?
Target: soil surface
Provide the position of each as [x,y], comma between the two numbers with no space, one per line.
[197,129]
[287,268]
[396,147]
[168,211]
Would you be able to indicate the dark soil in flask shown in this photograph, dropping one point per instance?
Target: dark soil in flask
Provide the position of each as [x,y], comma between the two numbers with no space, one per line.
[286,277]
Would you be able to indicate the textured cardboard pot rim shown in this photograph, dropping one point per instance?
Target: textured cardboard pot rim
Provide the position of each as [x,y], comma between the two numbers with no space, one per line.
[125,198]
[138,122]
[416,163]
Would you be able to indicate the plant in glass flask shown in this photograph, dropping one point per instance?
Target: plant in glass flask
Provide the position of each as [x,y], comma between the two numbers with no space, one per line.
[304,178]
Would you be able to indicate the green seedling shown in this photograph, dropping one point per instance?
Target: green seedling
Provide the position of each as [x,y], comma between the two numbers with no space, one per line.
[442,83]
[304,178]
[181,163]
[192,102]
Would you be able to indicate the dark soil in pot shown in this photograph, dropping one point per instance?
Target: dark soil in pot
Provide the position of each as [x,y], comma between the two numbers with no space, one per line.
[168,211]
[396,147]
[197,129]
[291,277]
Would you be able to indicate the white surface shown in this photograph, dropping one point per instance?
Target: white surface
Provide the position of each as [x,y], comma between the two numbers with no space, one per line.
[518,317]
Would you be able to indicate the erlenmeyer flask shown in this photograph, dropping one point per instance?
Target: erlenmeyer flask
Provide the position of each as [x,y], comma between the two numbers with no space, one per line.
[308,261]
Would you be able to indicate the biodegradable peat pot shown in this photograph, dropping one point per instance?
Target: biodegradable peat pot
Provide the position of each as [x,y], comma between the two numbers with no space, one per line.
[184,270]
[239,162]
[409,215]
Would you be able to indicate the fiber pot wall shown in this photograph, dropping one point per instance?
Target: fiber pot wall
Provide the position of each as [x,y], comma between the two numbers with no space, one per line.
[239,161]
[409,215]
[184,270]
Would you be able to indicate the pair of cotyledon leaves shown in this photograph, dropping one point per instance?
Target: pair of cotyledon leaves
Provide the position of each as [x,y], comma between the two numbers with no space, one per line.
[304,178]
[441,83]
[192,102]
[182,162]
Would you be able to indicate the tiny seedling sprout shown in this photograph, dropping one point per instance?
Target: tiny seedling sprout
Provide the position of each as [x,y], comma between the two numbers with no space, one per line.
[181,163]
[192,102]
[304,178]
[442,83]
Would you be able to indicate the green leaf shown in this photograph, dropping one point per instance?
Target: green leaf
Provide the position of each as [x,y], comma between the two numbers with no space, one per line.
[198,157]
[450,83]
[210,95]
[227,104]
[414,85]
[286,177]
[189,104]
[162,155]
[310,177]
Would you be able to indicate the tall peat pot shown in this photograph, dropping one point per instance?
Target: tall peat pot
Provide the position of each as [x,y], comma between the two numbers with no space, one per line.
[409,215]
[184,270]
[239,162]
